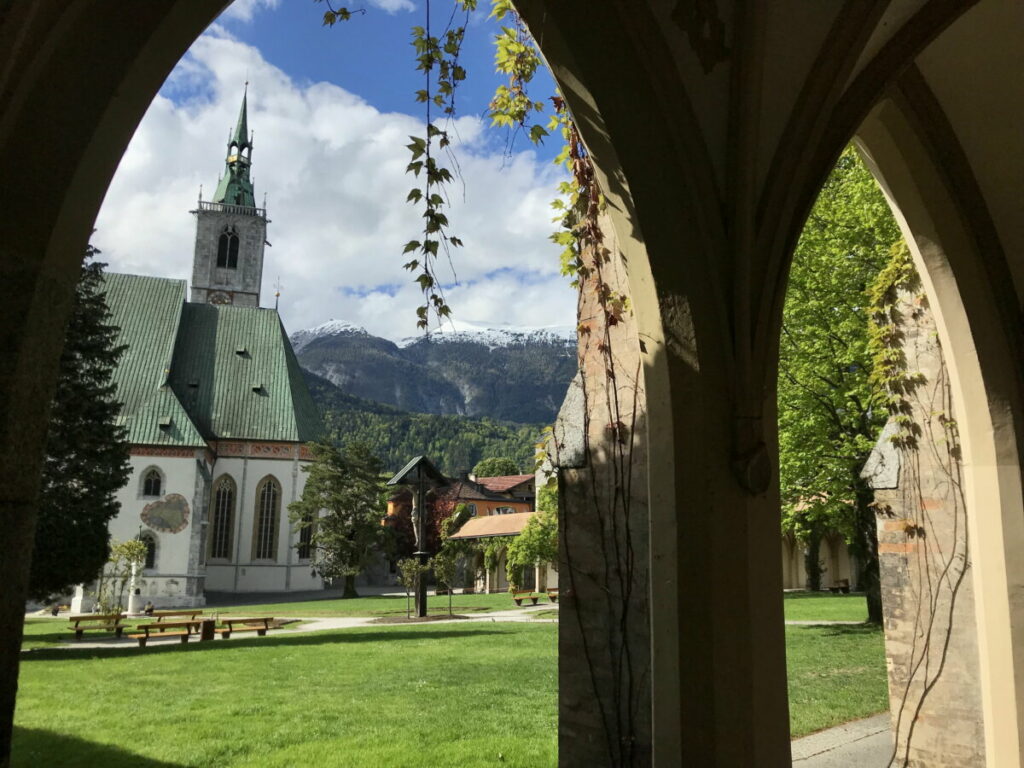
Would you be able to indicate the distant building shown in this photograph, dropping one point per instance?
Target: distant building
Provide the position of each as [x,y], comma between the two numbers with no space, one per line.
[217,412]
[501,507]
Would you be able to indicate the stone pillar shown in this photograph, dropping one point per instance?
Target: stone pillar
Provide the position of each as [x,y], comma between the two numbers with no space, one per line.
[931,640]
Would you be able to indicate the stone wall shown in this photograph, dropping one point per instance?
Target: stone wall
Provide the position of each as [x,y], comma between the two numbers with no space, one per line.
[600,447]
[242,284]
[927,591]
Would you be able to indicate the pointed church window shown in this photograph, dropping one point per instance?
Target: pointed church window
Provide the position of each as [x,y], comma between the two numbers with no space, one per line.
[268,508]
[150,543]
[305,548]
[227,249]
[223,518]
[151,484]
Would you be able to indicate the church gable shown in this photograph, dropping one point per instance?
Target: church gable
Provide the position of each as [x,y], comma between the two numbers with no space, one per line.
[235,371]
[147,312]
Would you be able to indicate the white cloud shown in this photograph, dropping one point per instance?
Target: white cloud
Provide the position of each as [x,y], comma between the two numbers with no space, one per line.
[333,169]
[394,6]
[244,10]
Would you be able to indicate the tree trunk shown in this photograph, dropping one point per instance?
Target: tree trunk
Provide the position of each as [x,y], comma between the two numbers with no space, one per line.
[350,587]
[812,561]
[866,551]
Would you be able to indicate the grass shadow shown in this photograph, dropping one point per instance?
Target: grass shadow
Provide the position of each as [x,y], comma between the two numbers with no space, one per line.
[33,747]
[325,637]
[819,595]
[837,630]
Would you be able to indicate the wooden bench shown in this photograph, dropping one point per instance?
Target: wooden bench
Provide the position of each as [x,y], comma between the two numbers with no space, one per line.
[553,594]
[182,629]
[525,595]
[259,625]
[842,585]
[161,615]
[109,622]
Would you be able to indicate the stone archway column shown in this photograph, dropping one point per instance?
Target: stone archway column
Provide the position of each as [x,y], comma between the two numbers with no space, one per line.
[717,694]
[936,205]
[75,80]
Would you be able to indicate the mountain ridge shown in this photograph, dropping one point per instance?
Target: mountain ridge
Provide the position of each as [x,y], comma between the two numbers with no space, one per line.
[509,374]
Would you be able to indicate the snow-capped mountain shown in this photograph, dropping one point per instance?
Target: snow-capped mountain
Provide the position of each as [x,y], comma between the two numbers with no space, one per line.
[493,337]
[508,373]
[332,327]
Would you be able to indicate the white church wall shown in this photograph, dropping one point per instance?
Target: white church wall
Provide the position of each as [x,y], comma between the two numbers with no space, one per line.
[285,572]
[168,582]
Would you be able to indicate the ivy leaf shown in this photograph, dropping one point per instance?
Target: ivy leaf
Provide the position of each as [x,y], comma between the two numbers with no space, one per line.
[412,245]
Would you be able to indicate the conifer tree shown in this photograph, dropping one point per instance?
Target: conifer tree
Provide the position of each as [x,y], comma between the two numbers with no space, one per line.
[86,459]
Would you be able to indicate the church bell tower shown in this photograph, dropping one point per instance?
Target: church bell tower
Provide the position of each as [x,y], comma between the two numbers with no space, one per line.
[230,230]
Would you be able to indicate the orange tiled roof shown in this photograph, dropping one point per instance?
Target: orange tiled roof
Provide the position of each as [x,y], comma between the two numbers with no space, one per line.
[503,482]
[494,525]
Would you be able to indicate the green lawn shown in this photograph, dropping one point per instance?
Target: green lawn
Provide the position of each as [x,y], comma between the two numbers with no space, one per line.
[372,606]
[466,695]
[423,695]
[817,606]
[836,674]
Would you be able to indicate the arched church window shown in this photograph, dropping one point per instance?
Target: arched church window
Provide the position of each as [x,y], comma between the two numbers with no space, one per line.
[152,483]
[305,548]
[223,518]
[227,249]
[268,508]
[150,541]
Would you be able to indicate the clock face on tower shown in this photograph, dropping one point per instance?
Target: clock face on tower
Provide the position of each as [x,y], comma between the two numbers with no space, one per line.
[219,297]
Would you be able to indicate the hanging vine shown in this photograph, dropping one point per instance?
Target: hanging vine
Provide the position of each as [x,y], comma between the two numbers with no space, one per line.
[927,440]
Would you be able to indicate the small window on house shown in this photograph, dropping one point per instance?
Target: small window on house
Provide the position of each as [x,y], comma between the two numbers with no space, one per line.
[227,249]
[150,543]
[504,511]
[472,509]
[152,483]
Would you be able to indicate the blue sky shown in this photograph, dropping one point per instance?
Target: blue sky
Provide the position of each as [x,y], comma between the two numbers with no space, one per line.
[331,109]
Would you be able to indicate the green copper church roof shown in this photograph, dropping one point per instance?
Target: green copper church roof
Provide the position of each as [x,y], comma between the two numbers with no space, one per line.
[235,186]
[236,373]
[148,312]
[199,372]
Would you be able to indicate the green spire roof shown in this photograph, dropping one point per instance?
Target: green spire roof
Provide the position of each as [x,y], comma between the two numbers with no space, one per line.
[241,137]
[235,186]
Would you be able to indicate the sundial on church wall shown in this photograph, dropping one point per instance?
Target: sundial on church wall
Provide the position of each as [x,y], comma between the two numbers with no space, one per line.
[168,515]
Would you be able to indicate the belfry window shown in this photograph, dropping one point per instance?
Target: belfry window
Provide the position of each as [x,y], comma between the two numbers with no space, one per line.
[227,249]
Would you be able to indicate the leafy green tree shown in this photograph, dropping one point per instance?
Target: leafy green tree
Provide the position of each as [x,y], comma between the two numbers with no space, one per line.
[125,558]
[342,504]
[496,467]
[830,412]
[86,459]
[538,543]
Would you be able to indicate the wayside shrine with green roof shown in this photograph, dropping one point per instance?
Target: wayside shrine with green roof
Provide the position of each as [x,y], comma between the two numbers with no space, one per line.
[217,412]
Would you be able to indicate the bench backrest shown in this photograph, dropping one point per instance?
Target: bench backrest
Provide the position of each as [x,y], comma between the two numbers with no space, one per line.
[108,618]
[159,615]
[167,625]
